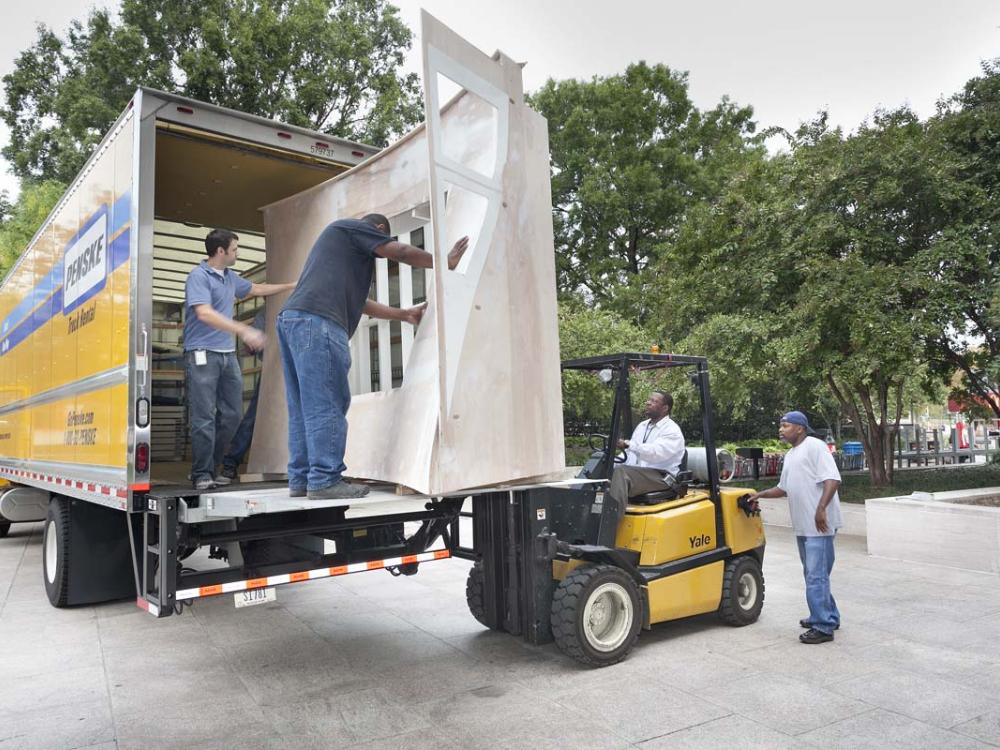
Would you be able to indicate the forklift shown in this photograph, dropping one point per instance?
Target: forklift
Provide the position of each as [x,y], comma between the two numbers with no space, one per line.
[689,550]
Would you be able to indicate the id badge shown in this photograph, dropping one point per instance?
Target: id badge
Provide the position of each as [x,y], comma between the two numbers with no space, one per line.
[200,357]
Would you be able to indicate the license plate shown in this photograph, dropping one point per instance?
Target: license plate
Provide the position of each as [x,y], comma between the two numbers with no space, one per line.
[255,596]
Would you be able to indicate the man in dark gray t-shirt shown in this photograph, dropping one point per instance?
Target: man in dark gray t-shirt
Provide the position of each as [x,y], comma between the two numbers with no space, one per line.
[314,330]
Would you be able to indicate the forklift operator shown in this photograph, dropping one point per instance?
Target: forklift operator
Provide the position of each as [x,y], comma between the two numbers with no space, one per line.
[653,454]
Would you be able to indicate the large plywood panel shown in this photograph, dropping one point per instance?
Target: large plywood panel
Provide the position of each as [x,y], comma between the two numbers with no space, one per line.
[480,401]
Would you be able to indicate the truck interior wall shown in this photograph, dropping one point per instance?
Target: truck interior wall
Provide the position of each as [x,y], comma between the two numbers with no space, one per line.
[206,181]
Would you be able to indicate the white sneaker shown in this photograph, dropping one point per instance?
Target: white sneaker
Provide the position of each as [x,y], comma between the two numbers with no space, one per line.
[222,480]
[205,484]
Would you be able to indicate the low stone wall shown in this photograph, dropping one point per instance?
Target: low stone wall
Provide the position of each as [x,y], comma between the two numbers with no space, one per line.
[956,529]
[774,511]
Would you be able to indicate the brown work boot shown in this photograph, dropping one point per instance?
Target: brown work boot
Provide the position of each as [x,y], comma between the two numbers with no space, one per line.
[339,491]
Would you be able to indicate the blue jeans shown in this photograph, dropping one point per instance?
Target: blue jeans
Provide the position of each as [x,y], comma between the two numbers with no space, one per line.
[316,358]
[816,554]
[240,443]
[215,401]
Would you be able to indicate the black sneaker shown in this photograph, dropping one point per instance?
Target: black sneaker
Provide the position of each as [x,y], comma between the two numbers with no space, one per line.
[296,491]
[812,636]
[804,623]
[339,491]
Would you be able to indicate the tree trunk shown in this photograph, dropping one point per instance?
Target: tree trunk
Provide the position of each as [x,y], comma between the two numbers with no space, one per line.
[876,435]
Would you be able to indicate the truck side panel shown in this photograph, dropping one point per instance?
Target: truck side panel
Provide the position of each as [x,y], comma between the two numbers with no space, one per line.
[64,331]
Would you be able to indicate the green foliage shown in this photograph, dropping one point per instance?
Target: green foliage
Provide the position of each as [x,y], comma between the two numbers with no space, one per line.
[630,156]
[331,65]
[586,332]
[21,220]
[963,266]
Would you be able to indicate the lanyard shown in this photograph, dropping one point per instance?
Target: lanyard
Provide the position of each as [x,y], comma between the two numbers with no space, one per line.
[649,429]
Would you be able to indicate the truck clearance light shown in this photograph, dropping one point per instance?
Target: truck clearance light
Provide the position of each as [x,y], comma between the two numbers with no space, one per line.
[359,154]
[142,458]
[282,134]
[185,110]
[309,575]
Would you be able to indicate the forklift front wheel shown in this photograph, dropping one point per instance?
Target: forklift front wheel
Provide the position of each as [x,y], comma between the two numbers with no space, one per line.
[742,591]
[596,615]
[474,585]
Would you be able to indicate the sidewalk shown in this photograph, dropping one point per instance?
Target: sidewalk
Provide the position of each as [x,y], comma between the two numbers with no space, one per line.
[376,662]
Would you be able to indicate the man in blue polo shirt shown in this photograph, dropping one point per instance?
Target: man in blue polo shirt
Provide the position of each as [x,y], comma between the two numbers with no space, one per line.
[211,367]
[314,331]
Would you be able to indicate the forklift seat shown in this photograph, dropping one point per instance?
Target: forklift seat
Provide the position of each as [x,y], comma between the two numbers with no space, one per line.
[680,482]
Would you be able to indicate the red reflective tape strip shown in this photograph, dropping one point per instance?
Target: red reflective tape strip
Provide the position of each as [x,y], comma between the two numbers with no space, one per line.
[210,590]
[409,559]
[338,570]
[121,493]
[79,485]
[105,490]
[296,577]
[375,564]
[441,554]
[140,487]
[142,603]
[256,583]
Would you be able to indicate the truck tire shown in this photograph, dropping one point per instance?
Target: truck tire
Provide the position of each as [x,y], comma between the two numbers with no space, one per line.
[4,528]
[596,615]
[474,593]
[55,546]
[742,591]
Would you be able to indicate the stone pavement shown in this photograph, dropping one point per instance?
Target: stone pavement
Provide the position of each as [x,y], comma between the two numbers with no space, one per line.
[371,661]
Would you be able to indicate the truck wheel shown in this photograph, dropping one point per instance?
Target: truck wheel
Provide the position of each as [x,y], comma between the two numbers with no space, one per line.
[596,615]
[55,543]
[474,593]
[742,591]
[4,528]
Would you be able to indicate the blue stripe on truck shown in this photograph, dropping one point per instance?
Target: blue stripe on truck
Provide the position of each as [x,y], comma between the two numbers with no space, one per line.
[45,301]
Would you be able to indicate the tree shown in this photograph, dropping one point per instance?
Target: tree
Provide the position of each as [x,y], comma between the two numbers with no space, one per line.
[810,269]
[23,218]
[963,266]
[331,65]
[586,332]
[630,156]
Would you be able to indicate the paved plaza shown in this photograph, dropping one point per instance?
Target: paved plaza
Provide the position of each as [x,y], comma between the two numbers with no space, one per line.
[372,661]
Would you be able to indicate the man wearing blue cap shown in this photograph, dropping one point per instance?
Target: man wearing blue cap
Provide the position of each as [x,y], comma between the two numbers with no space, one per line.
[809,478]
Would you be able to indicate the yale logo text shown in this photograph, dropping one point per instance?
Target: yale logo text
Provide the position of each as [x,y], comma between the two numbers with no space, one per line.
[702,540]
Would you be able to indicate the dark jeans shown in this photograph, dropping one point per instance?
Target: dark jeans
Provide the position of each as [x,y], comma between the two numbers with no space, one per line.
[215,400]
[316,358]
[240,443]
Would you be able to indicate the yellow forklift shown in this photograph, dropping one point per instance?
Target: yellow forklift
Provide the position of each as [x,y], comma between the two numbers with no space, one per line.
[598,581]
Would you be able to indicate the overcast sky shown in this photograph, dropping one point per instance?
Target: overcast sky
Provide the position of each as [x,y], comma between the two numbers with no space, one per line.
[787,58]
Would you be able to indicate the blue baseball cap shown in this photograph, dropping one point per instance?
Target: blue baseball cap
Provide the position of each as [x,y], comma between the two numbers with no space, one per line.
[796,417]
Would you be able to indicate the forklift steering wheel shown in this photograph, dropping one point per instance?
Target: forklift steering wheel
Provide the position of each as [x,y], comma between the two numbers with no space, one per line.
[604,442]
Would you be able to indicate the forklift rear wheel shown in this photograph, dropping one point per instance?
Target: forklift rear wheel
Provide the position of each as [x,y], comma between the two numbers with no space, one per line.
[55,543]
[596,615]
[474,593]
[742,591]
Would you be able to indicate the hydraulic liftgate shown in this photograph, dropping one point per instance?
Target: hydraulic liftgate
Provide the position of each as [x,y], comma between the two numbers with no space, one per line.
[515,534]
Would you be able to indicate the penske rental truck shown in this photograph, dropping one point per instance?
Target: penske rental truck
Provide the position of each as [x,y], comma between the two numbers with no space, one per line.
[93,444]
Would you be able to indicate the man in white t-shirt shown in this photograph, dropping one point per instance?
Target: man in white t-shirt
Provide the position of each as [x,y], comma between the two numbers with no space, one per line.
[653,454]
[809,477]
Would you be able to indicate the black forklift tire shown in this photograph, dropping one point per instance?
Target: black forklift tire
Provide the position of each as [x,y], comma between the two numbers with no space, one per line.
[55,547]
[612,592]
[742,591]
[474,593]
[4,528]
